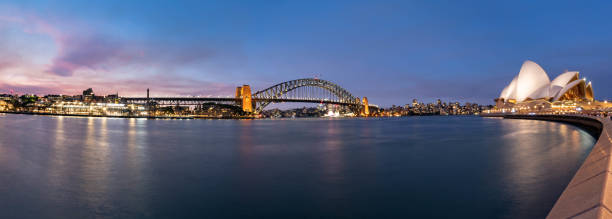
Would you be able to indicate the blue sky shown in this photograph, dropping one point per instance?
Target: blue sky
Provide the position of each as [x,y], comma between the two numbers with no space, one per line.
[389,51]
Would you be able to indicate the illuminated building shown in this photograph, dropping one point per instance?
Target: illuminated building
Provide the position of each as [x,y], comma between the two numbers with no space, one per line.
[4,105]
[533,84]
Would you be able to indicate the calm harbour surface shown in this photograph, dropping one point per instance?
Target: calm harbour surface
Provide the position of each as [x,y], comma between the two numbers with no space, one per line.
[411,167]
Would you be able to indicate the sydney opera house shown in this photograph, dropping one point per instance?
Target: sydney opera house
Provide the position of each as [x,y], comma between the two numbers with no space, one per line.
[532,88]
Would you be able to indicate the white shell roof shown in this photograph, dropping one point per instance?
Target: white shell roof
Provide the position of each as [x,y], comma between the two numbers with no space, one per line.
[561,81]
[509,91]
[531,78]
[567,87]
[532,82]
[564,79]
[542,92]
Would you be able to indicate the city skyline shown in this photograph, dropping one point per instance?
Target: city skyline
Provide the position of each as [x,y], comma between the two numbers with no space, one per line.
[391,52]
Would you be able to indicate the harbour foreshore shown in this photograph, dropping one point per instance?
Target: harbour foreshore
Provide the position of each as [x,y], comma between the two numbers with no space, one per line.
[113,116]
[589,193]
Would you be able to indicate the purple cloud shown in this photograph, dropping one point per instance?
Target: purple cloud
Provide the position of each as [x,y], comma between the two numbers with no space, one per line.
[28,89]
[112,63]
[100,52]
[85,52]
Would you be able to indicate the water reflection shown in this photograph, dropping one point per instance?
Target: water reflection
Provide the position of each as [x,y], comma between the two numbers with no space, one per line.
[60,154]
[245,136]
[5,152]
[333,161]
[136,136]
[133,168]
[529,154]
[136,159]
[95,164]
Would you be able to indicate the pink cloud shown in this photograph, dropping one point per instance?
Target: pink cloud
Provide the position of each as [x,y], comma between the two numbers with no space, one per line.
[4,63]
[86,58]
[85,52]
[159,85]
[27,89]
[102,52]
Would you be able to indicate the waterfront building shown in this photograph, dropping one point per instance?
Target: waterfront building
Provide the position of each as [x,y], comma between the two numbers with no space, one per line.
[112,98]
[532,86]
[5,105]
[437,108]
[53,98]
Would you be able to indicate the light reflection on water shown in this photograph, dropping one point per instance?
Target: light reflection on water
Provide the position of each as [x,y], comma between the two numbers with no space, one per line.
[59,167]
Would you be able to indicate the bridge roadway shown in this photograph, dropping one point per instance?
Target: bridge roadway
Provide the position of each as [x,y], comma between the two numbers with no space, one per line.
[589,193]
[202,100]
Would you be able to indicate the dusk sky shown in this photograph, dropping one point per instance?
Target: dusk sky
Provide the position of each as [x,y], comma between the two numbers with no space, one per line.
[389,51]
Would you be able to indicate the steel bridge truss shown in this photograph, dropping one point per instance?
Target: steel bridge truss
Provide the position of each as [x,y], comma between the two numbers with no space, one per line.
[305,90]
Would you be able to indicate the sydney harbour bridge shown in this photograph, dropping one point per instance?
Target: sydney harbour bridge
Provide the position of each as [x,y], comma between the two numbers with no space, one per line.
[307,90]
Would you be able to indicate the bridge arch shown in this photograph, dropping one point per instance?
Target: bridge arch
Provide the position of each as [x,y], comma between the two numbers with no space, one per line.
[300,88]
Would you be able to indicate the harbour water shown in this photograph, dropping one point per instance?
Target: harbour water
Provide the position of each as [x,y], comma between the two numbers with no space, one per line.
[415,167]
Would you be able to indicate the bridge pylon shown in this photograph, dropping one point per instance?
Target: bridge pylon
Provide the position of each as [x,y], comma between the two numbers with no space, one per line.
[239,96]
[366,107]
[247,99]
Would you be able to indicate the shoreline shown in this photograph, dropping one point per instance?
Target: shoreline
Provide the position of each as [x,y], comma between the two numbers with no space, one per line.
[208,117]
[124,117]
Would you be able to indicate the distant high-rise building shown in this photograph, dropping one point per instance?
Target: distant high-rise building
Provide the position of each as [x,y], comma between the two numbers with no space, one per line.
[88,95]
[88,92]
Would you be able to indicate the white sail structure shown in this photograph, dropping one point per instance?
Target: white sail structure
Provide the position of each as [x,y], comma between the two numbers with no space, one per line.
[532,83]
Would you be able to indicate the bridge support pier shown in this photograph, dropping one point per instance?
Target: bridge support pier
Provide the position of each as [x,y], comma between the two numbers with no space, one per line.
[366,107]
[239,96]
[247,99]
